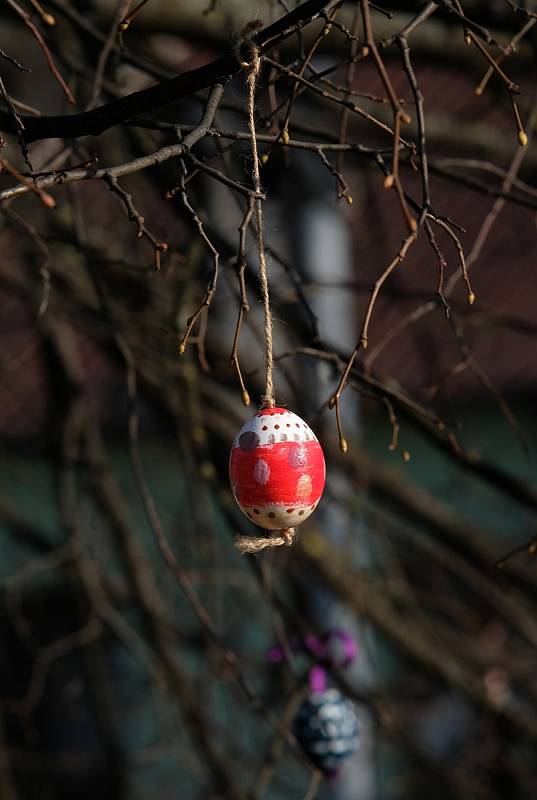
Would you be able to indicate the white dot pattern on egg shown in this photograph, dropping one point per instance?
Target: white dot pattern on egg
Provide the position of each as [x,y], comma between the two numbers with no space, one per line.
[282,426]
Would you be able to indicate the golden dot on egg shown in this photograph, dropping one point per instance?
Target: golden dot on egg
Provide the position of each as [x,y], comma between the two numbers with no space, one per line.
[272,514]
[301,513]
[303,486]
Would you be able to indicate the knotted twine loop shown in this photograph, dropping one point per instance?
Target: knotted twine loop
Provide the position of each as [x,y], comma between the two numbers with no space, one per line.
[254,544]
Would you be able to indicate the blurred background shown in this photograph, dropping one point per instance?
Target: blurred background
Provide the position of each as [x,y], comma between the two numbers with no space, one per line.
[133,636]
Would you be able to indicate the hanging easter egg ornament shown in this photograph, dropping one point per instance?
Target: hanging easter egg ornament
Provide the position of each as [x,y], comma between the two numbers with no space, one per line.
[277,473]
[327,728]
[326,724]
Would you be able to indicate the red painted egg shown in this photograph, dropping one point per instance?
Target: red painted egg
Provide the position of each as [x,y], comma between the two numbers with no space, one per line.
[276,469]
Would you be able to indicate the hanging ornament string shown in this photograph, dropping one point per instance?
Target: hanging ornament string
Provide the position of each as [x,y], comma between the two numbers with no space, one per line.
[251,544]
[268,400]
[279,503]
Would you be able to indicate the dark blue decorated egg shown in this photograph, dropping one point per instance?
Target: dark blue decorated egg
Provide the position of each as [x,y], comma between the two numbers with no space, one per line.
[326,726]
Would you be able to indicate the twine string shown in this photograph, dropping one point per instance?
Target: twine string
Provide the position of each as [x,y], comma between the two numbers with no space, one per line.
[254,544]
[268,400]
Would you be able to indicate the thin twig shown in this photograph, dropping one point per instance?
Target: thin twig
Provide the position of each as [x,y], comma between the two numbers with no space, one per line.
[215,255]
[19,125]
[512,87]
[333,98]
[128,18]
[27,184]
[26,18]
[511,47]
[47,18]
[41,245]
[105,52]
[135,216]
[363,340]
[244,306]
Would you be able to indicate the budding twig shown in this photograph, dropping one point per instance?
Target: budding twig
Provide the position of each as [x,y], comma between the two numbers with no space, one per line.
[244,306]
